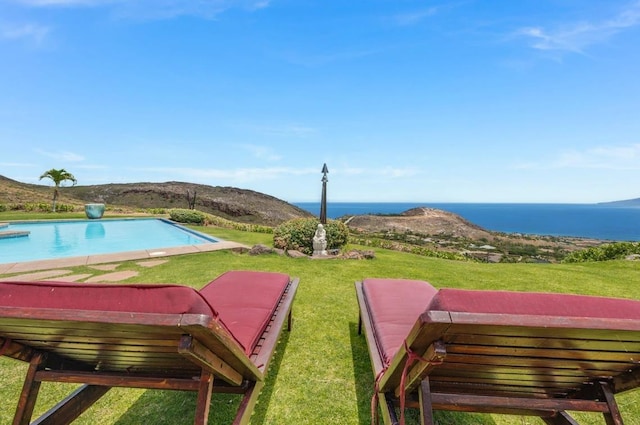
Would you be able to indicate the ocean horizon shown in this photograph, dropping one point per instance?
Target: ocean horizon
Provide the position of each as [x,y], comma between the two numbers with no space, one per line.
[592,221]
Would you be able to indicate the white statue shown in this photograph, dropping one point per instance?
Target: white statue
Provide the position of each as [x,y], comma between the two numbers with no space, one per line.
[320,241]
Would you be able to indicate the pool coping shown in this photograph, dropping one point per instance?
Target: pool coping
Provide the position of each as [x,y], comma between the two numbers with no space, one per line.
[27,266]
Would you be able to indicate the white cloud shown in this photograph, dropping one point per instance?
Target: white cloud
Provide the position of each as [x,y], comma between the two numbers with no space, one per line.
[61,156]
[235,175]
[293,130]
[312,60]
[33,32]
[156,9]
[41,3]
[606,157]
[91,167]
[415,17]
[350,171]
[602,157]
[577,36]
[15,164]
[256,174]
[262,152]
[395,173]
[259,5]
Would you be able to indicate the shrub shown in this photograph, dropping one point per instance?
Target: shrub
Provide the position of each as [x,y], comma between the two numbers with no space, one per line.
[297,234]
[40,207]
[187,216]
[65,208]
[205,219]
[612,251]
[214,220]
[155,211]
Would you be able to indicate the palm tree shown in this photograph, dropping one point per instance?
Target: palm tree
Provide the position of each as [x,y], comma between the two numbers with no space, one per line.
[58,176]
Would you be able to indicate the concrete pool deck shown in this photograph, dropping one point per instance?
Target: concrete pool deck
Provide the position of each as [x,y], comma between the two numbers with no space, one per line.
[30,266]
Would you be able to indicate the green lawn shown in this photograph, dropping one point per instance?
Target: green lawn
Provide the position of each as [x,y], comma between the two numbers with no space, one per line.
[321,373]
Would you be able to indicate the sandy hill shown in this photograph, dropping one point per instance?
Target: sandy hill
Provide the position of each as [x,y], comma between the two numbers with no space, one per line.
[424,221]
[238,204]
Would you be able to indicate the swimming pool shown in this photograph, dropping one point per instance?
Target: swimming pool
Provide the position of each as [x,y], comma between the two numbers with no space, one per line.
[63,239]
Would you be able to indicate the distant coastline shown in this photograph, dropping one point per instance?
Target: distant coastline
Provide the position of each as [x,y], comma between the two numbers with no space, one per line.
[616,221]
[625,203]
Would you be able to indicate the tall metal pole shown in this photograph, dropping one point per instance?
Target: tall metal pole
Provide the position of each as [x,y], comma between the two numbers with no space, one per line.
[323,202]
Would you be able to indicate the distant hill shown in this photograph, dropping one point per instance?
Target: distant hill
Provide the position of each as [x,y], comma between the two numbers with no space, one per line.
[422,220]
[625,203]
[238,204]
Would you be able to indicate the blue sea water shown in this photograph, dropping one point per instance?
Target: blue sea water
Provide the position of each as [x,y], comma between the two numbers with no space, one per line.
[598,221]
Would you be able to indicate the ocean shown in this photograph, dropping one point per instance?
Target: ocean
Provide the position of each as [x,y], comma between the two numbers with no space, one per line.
[597,221]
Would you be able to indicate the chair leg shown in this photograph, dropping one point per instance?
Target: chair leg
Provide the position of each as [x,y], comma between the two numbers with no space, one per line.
[204,398]
[248,403]
[388,410]
[613,416]
[426,408]
[29,394]
[72,406]
[561,418]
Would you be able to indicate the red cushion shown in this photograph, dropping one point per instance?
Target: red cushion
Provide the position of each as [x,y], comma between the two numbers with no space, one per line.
[394,306]
[245,301]
[534,303]
[170,299]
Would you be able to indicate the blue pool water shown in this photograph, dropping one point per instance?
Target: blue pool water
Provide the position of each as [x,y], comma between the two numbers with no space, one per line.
[61,239]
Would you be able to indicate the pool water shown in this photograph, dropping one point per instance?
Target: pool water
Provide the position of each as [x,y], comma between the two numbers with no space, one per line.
[61,239]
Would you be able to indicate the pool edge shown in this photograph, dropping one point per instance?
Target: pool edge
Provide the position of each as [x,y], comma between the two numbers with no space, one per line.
[28,266]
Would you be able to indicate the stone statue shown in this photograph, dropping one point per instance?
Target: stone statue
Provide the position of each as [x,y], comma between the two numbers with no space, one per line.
[320,241]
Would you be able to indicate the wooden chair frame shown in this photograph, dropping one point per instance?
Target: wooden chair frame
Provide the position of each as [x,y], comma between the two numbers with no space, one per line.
[101,350]
[507,364]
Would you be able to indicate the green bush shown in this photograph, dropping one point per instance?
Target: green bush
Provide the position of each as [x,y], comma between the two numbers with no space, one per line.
[187,216]
[205,219]
[214,220]
[40,207]
[65,208]
[612,251]
[297,234]
[154,211]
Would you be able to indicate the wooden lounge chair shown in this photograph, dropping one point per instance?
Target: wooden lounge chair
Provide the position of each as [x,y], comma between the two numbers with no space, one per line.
[218,339]
[498,352]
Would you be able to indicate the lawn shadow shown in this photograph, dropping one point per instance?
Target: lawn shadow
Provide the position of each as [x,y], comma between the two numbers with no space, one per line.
[178,407]
[264,398]
[363,374]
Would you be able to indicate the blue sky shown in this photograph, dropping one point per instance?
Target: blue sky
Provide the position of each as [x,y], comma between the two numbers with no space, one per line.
[448,101]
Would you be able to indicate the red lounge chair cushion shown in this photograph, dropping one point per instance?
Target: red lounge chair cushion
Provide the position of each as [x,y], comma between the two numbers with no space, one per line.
[394,306]
[246,300]
[534,303]
[167,299]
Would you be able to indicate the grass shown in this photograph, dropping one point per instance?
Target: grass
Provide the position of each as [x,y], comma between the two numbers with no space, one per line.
[321,372]
[20,215]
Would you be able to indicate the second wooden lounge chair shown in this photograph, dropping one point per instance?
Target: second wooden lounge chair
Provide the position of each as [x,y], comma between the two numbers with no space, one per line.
[504,352]
[218,339]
